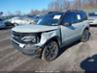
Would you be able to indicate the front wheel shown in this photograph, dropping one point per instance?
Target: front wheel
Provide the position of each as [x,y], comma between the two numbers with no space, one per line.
[85,35]
[50,51]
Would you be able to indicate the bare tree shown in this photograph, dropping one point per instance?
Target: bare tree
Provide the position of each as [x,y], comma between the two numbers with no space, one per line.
[77,4]
[89,4]
[59,5]
[34,12]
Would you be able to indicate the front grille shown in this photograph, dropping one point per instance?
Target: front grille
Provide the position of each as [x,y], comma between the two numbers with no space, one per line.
[18,36]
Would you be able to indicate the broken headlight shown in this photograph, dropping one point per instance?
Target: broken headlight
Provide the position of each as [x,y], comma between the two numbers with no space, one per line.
[29,39]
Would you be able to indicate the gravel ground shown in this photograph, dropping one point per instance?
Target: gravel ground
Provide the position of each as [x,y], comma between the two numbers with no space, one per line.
[80,57]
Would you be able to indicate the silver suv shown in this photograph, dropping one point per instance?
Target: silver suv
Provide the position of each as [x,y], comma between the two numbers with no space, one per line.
[51,33]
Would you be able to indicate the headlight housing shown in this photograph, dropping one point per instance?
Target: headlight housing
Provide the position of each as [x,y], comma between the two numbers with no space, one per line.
[29,39]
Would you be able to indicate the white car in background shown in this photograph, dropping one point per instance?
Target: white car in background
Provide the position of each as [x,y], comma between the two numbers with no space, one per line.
[92,18]
[21,20]
[2,24]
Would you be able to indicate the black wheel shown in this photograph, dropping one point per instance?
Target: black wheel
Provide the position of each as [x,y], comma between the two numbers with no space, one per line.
[85,35]
[50,51]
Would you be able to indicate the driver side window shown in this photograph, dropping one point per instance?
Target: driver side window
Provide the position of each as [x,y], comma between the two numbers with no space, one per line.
[71,18]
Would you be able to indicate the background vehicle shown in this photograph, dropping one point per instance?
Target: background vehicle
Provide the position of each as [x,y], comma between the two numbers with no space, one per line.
[52,32]
[20,20]
[2,24]
[36,18]
[92,18]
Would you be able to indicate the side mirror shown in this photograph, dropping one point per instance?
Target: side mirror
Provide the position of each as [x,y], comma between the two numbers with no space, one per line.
[67,24]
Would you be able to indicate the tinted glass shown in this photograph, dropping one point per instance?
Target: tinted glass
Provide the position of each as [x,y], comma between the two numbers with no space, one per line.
[70,18]
[0,19]
[83,15]
[74,17]
[50,19]
[92,14]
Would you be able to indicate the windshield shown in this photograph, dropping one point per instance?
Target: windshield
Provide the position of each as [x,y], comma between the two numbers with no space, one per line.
[50,19]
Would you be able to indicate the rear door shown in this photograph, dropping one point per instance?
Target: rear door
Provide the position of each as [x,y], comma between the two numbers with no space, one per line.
[78,24]
[71,33]
[81,21]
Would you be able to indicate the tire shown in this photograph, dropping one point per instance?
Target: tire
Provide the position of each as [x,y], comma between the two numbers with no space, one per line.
[50,51]
[85,35]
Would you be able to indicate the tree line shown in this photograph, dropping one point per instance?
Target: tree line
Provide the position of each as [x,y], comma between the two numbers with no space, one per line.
[63,5]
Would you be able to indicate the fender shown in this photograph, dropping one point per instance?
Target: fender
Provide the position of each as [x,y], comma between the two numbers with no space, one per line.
[52,35]
[85,27]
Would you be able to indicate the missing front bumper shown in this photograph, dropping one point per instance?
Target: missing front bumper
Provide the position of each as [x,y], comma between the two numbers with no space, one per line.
[34,51]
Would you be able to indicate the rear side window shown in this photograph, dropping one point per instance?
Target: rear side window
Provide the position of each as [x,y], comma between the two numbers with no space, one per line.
[74,17]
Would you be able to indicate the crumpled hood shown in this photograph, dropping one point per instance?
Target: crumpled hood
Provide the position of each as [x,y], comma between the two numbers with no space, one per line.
[33,28]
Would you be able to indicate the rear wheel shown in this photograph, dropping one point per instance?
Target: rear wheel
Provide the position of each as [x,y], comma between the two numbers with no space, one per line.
[50,51]
[85,35]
